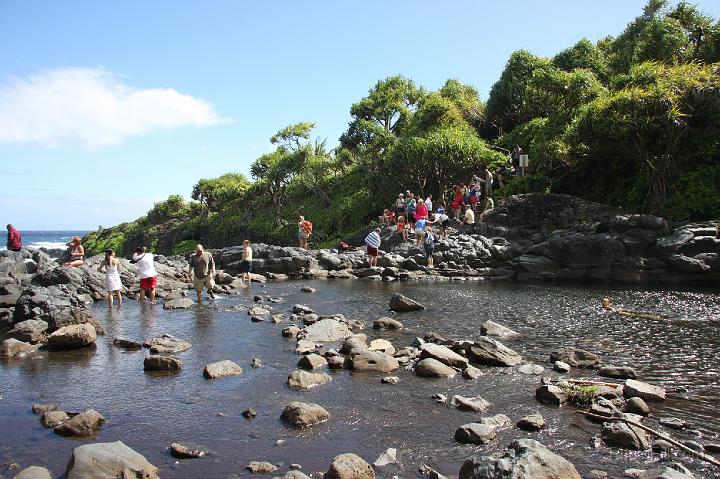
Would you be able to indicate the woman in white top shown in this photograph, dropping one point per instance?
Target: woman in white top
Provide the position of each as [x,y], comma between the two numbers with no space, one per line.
[146,270]
[113,284]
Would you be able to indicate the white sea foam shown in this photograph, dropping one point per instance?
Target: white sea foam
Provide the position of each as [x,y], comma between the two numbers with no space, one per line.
[48,245]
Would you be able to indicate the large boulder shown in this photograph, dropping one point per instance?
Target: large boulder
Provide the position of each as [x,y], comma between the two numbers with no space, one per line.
[325,330]
[398,302]
[443,354]
[221,369]
[492,353]
[432,368]
[82,425]
[108,460]
[300,414]
[644,391]
[524,459]
[73,337]
[577,358]
[312,361]
[475,433]
[349,466]
[299,379]
[364,360]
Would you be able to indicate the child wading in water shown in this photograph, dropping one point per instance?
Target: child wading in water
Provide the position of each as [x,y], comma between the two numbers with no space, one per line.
[113,284]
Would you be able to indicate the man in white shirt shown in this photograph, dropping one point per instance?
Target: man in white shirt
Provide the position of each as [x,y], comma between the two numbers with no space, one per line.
[146,270]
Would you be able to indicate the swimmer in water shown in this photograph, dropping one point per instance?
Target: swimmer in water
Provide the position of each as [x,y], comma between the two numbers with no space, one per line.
[607,306]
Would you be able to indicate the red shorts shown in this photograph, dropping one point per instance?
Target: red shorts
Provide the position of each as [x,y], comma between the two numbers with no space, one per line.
[474,199]
[148,283]
[372,251]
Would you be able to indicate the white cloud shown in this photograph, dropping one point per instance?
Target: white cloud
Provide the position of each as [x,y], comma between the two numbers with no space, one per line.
[91,107]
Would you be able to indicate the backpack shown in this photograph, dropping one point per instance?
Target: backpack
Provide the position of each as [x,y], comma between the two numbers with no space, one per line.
[308,227]
[430,238]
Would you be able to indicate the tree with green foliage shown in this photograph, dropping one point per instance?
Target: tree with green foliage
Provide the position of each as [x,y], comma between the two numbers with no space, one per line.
[216,193]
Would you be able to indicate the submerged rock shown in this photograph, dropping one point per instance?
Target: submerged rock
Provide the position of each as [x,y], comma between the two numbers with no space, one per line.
[625,436]
[108,460]
[491,328]
[312,361]
[300,414]
[492,353]
[349,466]
[472,404]
[531,422]
[617,372]
[162,363]
[127,344]
[664,472]
[387,323]
[326,330]
[550,394]
[645,391]
[221,369]
[398,302]
[475,433]
[53,419]
[73,337]
[84,424]
[260,467]
[524,459]
[184,451]
[12,347]
[443,354]
[498,421]
[375,361]
[577,358]
[432,368]
[179,303]
[167,344]
[299,379]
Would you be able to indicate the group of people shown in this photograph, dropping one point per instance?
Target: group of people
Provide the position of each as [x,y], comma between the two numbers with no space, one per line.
[201,267]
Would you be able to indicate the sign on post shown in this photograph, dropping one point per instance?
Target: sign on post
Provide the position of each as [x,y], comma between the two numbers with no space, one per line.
[524,162]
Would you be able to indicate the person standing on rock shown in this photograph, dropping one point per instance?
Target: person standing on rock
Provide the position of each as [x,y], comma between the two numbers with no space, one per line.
[373,245]
[113,284]
[420,230]
[429,203]
[202,265]
[400,205]
[443,220]
[14,239]
[246,264]
[429,245]
[146,271]
[77,252]
[304,231]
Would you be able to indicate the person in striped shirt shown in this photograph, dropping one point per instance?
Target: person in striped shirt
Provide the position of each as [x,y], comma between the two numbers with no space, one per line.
[373,244]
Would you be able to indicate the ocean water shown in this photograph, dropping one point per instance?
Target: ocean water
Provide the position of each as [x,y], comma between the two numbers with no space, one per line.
[46,239]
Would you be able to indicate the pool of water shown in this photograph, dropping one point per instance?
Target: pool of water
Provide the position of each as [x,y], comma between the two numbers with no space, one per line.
[150,411]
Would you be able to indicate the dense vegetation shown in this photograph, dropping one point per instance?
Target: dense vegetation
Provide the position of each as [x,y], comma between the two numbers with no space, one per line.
[632,121]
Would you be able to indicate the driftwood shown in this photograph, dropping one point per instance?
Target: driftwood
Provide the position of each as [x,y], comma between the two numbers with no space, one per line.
[683,447]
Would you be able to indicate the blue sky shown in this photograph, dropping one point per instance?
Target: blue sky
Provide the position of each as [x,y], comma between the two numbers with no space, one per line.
[107,107]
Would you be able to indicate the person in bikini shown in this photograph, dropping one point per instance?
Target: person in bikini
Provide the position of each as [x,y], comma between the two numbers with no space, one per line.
[77,252]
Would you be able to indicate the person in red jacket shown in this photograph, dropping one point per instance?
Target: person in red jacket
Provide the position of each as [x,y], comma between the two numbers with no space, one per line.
[14,239]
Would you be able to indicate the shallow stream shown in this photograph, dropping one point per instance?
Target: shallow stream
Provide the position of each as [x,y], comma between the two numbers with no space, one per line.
[150,411]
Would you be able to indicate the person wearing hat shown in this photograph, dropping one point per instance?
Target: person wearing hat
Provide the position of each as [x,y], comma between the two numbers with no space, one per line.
[441,219]
[400,205]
